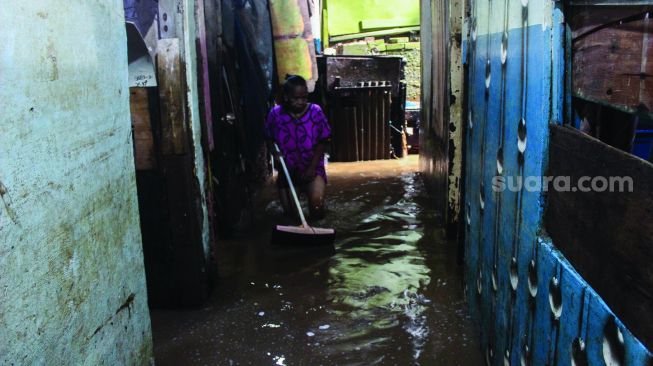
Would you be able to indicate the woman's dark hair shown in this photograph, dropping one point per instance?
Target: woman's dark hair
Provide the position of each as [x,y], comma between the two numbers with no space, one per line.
[293,81]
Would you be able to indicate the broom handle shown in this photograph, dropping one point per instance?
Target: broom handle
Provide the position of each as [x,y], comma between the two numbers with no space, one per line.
[292,187]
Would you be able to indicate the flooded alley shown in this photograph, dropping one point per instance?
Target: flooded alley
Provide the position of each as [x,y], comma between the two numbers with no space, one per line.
[488,168]
[390,294]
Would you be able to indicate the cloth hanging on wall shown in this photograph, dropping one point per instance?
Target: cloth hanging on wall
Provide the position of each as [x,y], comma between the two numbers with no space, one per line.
[293,40]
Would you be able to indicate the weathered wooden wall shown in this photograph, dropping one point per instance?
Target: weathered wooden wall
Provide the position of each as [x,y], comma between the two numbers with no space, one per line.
[72,283]
[441,135]
[434,130]
[173,193]
[612,52]
[607,236]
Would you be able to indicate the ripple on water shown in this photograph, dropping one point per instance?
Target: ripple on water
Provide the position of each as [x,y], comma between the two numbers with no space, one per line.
[386,289]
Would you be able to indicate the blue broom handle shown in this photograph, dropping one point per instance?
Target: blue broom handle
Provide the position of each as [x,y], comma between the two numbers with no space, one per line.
[292,187]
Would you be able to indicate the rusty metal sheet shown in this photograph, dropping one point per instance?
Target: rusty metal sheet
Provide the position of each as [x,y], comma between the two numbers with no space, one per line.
[169,14]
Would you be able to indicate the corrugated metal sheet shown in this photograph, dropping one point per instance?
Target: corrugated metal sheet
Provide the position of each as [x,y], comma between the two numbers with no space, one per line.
[532,306]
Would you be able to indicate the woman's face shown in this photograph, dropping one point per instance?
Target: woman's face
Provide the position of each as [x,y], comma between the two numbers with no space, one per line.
[297,99]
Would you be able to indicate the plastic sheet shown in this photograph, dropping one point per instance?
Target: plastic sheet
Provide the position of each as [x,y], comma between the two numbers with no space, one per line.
[142,13]
[247,35]
[247,29]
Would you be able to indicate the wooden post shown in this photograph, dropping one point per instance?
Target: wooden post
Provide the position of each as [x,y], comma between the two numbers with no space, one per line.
[356,128]
[171,93]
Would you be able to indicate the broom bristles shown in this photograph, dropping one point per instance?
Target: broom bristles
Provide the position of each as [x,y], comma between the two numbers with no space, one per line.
[302,236]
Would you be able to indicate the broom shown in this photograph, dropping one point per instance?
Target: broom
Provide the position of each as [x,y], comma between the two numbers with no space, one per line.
[303,235]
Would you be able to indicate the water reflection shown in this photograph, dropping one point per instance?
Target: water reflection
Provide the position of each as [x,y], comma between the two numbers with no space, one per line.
[378,275]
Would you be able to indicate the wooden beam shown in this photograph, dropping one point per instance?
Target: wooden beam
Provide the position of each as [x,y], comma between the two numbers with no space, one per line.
[369,24]
[387,32]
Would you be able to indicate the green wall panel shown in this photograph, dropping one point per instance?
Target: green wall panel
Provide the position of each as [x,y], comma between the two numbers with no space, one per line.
[348,17]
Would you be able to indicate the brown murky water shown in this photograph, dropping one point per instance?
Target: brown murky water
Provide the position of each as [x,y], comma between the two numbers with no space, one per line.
[391,293]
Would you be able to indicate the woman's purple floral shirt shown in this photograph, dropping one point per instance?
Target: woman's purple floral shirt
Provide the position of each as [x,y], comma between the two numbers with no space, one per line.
[297,137]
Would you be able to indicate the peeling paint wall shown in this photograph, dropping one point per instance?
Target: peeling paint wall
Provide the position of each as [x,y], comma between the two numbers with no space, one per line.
[72,283]
[456,10]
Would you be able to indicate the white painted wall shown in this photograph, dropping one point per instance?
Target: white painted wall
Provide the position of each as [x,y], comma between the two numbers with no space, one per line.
[72,283]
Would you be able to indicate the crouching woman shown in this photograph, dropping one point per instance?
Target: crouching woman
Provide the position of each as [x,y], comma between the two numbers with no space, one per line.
[302,132]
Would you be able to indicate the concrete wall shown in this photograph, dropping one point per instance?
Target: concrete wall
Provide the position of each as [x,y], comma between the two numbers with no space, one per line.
[72,284]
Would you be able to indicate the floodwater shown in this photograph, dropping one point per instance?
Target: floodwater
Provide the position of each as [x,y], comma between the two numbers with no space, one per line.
[390,294]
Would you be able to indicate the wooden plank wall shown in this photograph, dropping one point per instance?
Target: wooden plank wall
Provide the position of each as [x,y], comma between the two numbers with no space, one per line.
[608,237]
[170,193]
[436,99]
[615,43]
[144,153]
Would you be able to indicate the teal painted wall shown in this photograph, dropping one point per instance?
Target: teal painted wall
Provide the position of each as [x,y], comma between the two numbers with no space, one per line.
[72,283]
[345,16]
